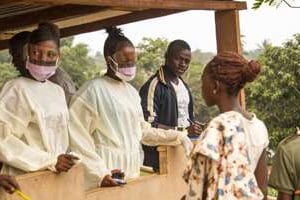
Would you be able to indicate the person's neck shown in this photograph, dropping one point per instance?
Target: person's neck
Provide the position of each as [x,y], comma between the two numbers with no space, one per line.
[169,75]
[230,104]
[112,75]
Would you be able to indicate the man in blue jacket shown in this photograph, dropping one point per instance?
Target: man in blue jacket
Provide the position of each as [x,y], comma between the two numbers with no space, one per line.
[166,99]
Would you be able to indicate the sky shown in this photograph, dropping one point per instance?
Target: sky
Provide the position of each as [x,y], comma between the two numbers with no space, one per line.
[198,28]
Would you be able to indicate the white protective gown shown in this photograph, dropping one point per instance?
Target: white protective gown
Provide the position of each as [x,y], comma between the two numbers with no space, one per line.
[106,127]
[33,125]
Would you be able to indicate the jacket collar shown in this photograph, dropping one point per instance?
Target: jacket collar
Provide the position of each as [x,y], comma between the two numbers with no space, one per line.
[161,76]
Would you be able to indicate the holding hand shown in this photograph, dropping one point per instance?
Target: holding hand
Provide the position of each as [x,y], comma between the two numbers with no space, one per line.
[195,129]
[65,162]
[8,183]
[108,182]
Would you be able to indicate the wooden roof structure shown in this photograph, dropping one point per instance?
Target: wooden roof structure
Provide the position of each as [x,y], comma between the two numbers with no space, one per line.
[82,16]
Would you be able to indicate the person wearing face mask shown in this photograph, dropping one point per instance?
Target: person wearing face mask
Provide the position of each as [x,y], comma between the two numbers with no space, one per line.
[18,51]
[166,99]
[106,119]
[34,113]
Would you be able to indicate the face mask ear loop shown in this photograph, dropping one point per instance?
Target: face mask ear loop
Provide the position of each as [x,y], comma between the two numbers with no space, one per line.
[57,61]
[115,63]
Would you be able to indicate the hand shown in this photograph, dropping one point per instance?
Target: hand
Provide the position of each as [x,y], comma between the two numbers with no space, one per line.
[108,182]
[8,183]
[117,173]
[65,162]
[195,129]
[187,145]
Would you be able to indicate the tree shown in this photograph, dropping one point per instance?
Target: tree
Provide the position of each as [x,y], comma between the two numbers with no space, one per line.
[151,53]
[7,71]
[150,56]
[275,96]
[76,61]
[258,3]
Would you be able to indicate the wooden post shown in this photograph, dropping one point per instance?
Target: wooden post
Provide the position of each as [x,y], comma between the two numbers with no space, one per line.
[163,162]
[228,36]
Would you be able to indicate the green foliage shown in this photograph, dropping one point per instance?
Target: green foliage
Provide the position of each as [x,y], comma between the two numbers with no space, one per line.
[7,71]
[76,61]
[150,56]
[151,53]
[258,3]
[275,96]
[272,192]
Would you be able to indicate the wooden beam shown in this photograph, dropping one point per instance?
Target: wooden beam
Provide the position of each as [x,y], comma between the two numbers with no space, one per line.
[51,14]
[85,19]
[156,4]
[115,21]
[101,24]
[228,31]
[229,37]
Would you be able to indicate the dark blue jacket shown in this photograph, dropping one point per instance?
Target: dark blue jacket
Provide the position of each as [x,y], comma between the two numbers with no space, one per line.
[159,103]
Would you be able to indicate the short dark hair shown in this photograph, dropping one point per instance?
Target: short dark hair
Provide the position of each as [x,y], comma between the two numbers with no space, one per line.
[115,36]
[176,46]
[45,31]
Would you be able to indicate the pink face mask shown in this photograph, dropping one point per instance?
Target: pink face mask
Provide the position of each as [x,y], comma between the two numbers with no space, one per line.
[40,72]
[123,73]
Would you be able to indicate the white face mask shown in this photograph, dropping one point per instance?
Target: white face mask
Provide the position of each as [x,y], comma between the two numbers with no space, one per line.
[123,73]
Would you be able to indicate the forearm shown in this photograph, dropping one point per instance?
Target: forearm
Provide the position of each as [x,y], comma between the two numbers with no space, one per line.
[261,174]
[156,136]
[284,196]
[16,153]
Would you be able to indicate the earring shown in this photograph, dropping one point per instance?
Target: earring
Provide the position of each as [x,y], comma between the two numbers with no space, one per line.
[214,91]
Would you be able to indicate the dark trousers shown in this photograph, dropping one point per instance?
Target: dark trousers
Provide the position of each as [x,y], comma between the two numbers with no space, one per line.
[151,157]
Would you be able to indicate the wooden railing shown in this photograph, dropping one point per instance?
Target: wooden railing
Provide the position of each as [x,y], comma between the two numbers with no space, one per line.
[168,185]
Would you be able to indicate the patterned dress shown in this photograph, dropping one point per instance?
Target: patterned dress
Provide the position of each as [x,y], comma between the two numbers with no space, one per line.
[220,164]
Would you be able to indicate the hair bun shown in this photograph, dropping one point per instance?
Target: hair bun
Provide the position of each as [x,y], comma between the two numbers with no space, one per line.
[114,31]
[47,26]
[251,71]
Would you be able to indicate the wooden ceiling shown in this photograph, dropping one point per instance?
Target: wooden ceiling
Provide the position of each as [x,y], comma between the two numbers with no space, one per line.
[81,16]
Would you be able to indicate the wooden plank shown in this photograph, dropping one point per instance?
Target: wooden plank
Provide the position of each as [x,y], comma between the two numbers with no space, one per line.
[115,21]
[46,185]
[98,16]
[101,24]
[228,36]
[156,4]
[163,161]
[158,187]
[51,14]
[70,22]
[228,31]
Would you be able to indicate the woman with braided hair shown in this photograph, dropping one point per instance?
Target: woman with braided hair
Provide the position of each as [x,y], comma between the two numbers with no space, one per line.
[229,160]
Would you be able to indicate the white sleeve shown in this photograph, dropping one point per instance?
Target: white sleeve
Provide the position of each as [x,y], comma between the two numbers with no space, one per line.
[82,125]
[156,136]
[15,115]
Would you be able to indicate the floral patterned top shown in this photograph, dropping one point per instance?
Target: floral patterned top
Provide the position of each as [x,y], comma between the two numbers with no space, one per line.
[220,164]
